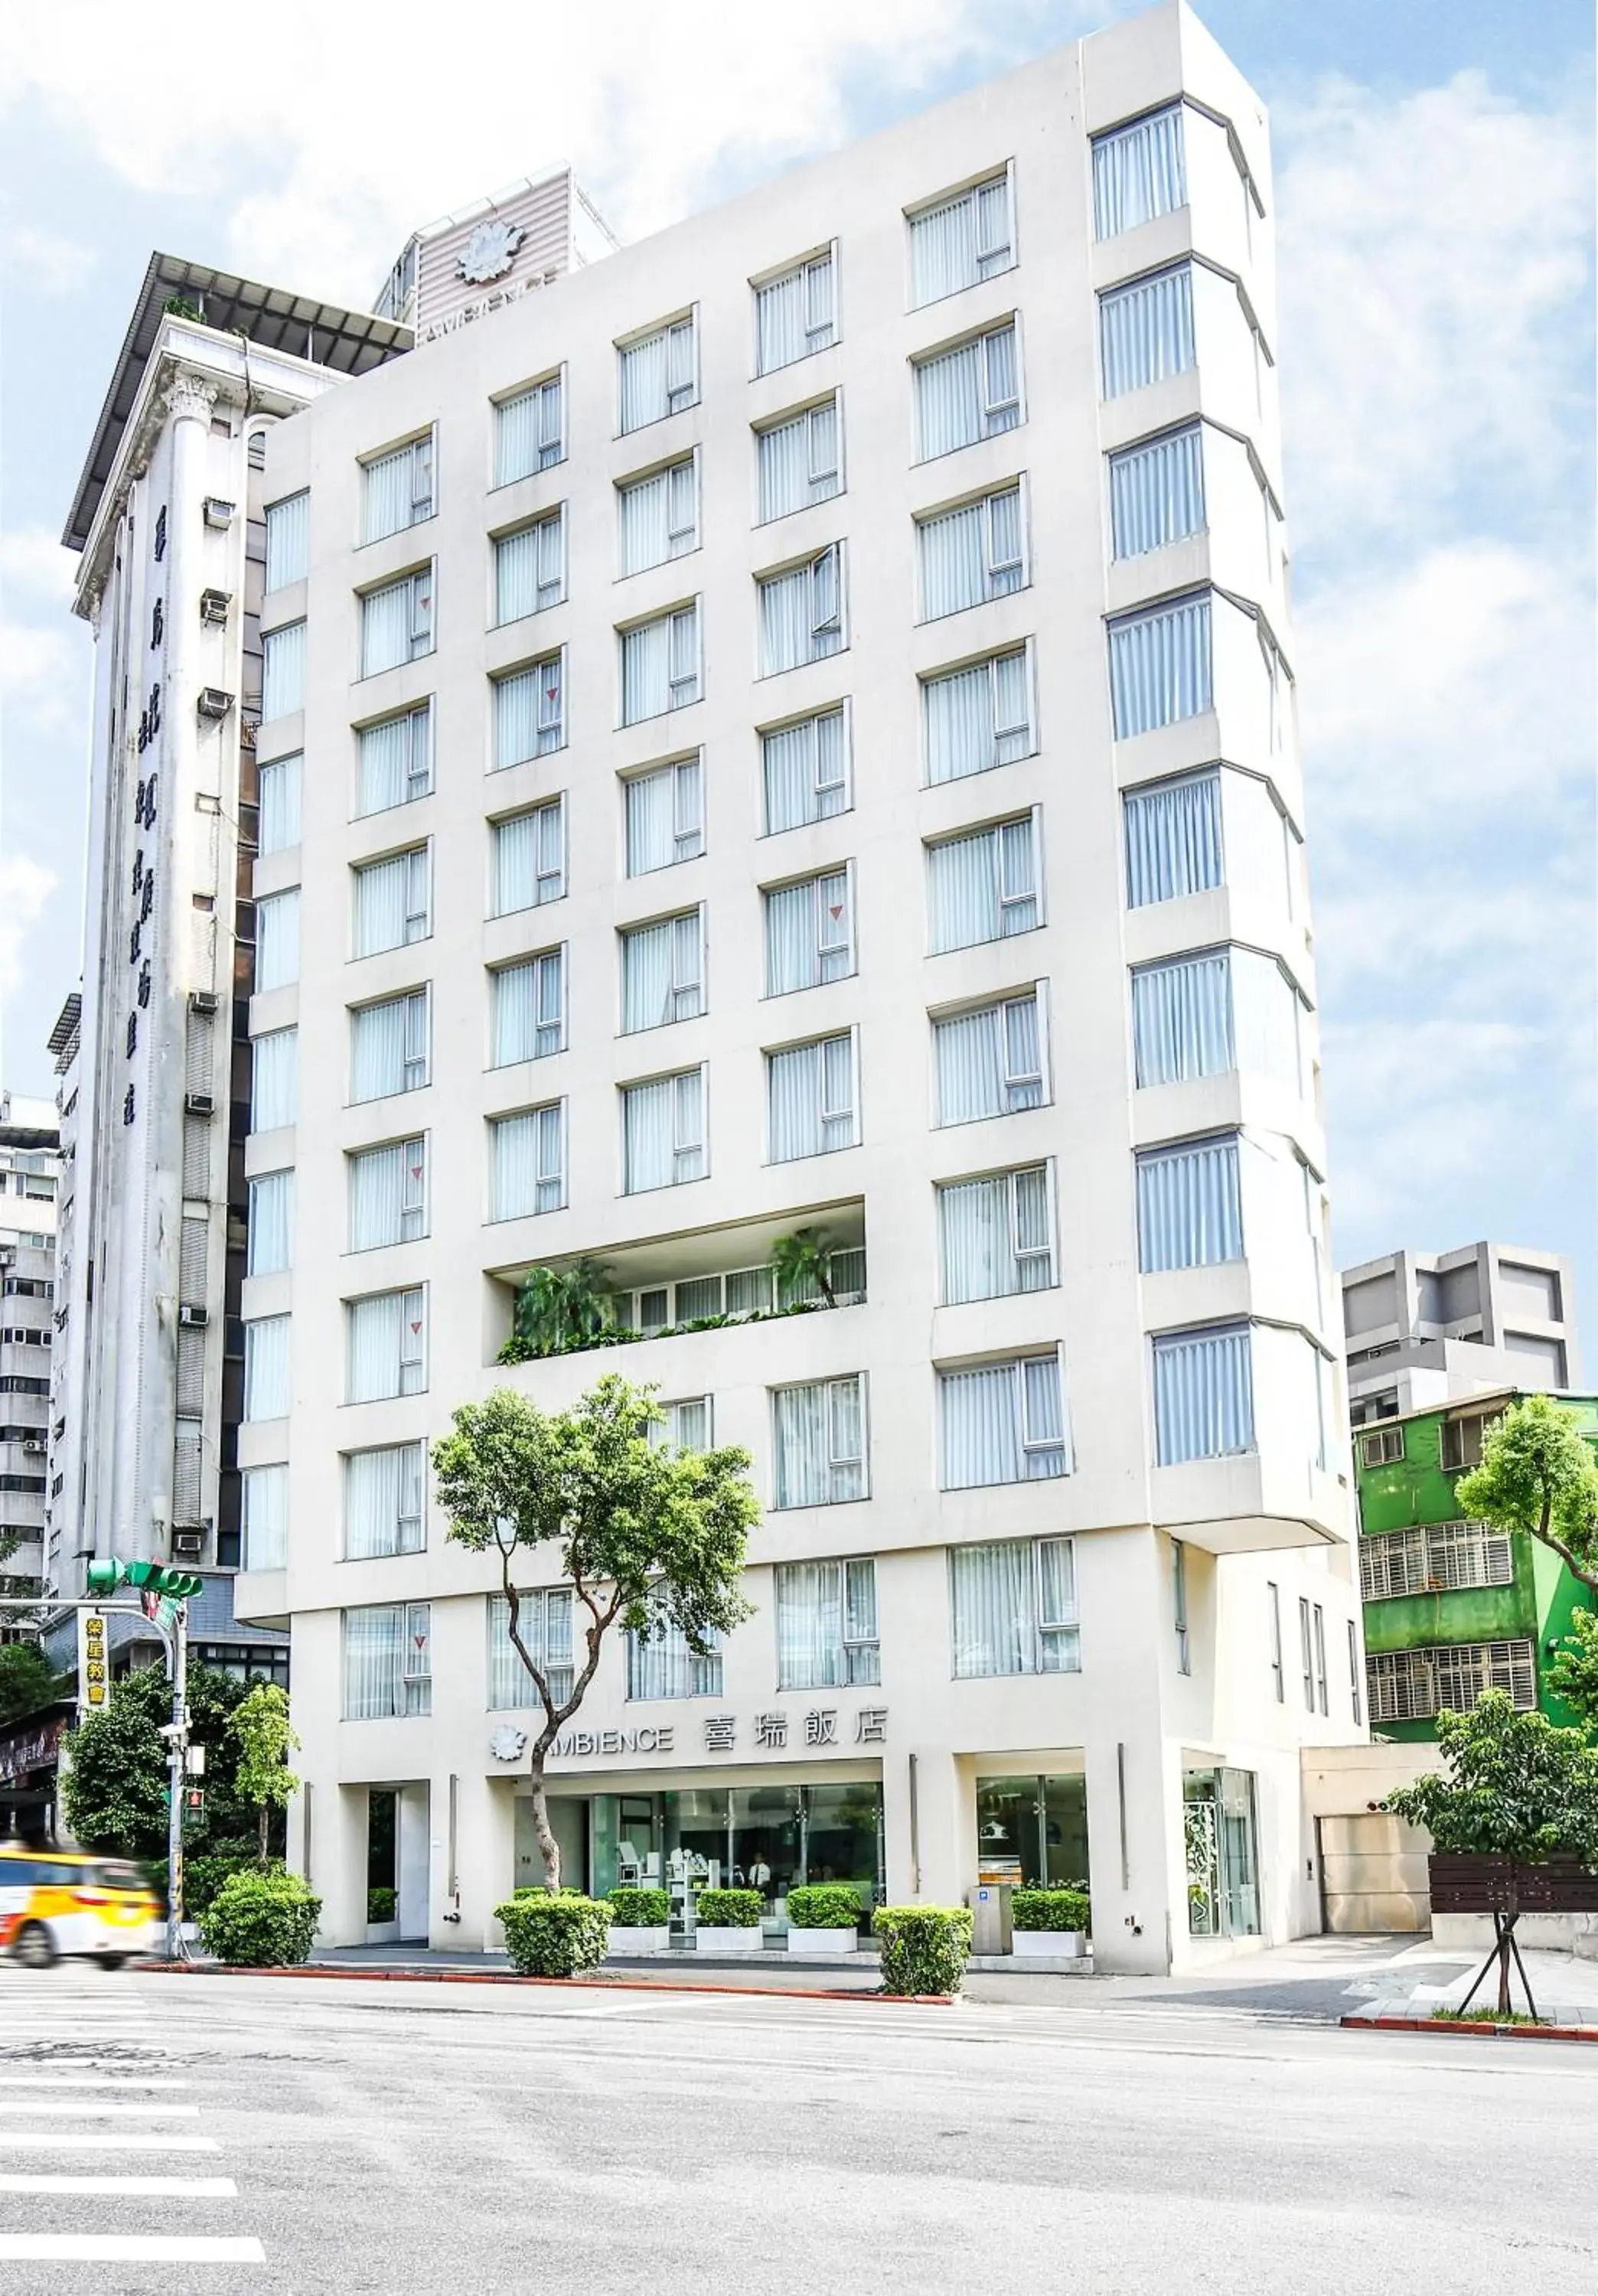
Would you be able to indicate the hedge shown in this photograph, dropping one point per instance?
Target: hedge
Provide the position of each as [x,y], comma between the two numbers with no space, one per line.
[206,1870]
[923,1946]
[824,1905]
[261,1921]
[1049,1909]
[640,1909]
[730,1909]
[382,1904]
[550,1936]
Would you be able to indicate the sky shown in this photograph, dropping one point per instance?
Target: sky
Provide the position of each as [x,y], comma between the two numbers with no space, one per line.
[1434,196]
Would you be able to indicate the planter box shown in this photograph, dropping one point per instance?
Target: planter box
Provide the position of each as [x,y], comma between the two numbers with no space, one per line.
[823,1941]
[638,1941]
[709,1939]
[382,1932]
[1463,1884]
[1048,1945]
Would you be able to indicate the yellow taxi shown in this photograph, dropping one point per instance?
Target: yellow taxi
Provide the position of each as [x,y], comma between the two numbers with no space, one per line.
[53,1903]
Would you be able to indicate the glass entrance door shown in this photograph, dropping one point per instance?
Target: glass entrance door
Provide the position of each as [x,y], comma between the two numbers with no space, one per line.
[1219,1830]
[1040,1823]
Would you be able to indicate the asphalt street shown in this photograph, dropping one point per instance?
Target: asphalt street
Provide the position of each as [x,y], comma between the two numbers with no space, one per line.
[204,2133]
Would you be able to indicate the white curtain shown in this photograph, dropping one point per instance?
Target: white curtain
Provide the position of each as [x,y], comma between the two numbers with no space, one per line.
[810,1652]
[659,517]
[978,718]
[389,1050]
[663,973]
[960,242]
[1189,1206]
[1266,1017]
[993,1609]
[659,375]
[1146,330]
[386,620]
[996,1236]
[544,1623]
[397,489]
[530,712]
[529,569]
[990,1063]
[271,1222]
[383,1502]
[281,784]
[819,1432]
[794,314]
[982,887]
[809,934]
[528,433]
[660,664]
[375,1657]
[266,1392]
[388,1194]
[277,940]
[1002,1424]
[528,1163]
[529,859]
[1160,666]
[288,541]
[801,615]
[1157,492]
[387,1335]
[805,769]
[970,554]
[1174,844]
[265,1496]
[969,393]
[282,670]
[274,1079]
[1139,172]
[1182,1018]
[800,461]
[1203,1395]
[810,1091]
[396,760]
[663,1128]
[662,1666]
[665,817]
[391,903]
[529,1010]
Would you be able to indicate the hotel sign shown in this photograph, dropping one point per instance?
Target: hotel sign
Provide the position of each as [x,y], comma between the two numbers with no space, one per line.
[615,1741]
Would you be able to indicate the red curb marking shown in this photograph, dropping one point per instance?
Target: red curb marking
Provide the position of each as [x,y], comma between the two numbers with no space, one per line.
[1456,2025]
[495,1977]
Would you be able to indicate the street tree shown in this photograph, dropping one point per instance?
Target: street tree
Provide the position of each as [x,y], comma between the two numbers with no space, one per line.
[1573,1675]
[265,1738]
[114,1793]
[651,1536]
[1539,1475]
[28,1680]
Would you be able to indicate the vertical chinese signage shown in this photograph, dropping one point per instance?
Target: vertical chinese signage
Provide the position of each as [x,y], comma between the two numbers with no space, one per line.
[93,1669]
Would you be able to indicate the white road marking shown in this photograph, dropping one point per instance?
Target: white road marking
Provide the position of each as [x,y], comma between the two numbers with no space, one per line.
[78,2108]
[101,2140]
[86,2080]
[125,2248]
[189,2188]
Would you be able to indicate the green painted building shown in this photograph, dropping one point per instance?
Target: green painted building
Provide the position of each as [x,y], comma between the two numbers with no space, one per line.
[1451,1607]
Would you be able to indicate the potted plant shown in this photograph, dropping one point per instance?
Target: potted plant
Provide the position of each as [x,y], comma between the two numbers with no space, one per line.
[640,1921]
[728,1921]
[824,1917]
[383,1916]
[1049,1924]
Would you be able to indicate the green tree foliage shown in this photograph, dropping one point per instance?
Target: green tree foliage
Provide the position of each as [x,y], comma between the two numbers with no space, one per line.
[114,1797]
[558,1307]
[1539,1475]
[1573,1675]
[1516,1786]
[802,1263]
[649,1537]
[266,1739]
[28,1680]
[261,1921]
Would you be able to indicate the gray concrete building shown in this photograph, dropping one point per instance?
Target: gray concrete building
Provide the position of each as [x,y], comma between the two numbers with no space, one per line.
[1423,1328]
[30,1177]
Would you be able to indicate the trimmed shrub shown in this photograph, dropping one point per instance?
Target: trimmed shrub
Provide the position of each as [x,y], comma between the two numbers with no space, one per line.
[1049,1909]
[261,1921]
[923,1946]
[550,1936]
[205,1871]
[730,1909]
[640,1909]
[382,1904]
[824,1905]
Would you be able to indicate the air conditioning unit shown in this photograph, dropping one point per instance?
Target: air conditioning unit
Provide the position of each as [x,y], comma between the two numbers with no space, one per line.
[218,513]
[198,1103]
[203,1000]
[193,1318]
[35,1448]
[213,702]
[214,605]
[189,1544]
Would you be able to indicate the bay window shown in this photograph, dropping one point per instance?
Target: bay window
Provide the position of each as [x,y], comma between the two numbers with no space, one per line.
[809,933]
[1012,1608]
[1203,1394]
[663,973]
[658,374]
[800,460]
[529,859]
[530,712]
[970,555]
[665,810]
[395,762]
[663,1132]
[528,1009]
[811,1101]
[827,1635]
[801,612]
[529,431]
[543,1622]
[1161,667]
[396,489]
[390,1046]
[970,392]
[957,241]
[1146,330]
[288,541]
[1214,1010]
[990,1061]
[659,516]
[393,901]
[818,1442]
[1174,839]
[996,1234]
[1157,492]
[387,1661]
[1003,1422]
[984,885]
[527,1162]
[530,569]
[1139,172]
[796,313]
[388,1194]
[660,668]
[1189,1205]
[805,771]
[383,1501]
[980,716]
[396,623]
[387,1345]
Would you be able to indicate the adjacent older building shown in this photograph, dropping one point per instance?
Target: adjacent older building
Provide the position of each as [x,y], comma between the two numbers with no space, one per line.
[1426,1328]
[31,1165]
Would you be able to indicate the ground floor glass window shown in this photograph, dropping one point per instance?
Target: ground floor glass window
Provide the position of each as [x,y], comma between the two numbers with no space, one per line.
[1038,1825]
[1221,1834]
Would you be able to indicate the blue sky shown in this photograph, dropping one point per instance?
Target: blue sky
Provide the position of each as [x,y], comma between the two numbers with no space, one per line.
[1434,200]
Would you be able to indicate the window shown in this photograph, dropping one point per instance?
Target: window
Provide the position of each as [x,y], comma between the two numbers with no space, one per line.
[990,1063]
[395,762]
[396,489]
[970,392]
[273,1081]
[1002,1424]
[1215,1010]
[386,1333]
[660,665]
[961,241]
[1384,1449]
[818,1437]
[1185,1657]
[1139,172]
[1305,1654]
[530,569]
[271,1223]
[393,902]
[996,1234]
[1012,1608]
[388,1194]
[805,771]
[665,810]
[970,555]
[661,1665]
[1273,1623]
[288,541]
[658,374]
[1203,1394]
[528,1005]
[1189,1206]
[800,460]
[530,712]
[1146,330]
[383,1501]
[801,613]
[1157,492]
[266,1390]
[811,1099]
[979,718]
[686,1426]
[527,1162]
[282,670]
[663,1132]
[396,623]
[1174,841]
[1159,666]
[264,1510]
[1320,1700]
[1459,1442]
[1434,1558]
[663,973]
[390,1046]
[530,431]
[1411,1685]
[984,886]
[387,1661]
[529,859]
[659,516]
[809,933]
[796,313]
[827,1625]
[544,1623]
[1354,1701]
[277,940]
[277,826]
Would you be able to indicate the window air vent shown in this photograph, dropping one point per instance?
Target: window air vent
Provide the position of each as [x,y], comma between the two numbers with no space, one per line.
[198,1103]
[213,702]
[202,1000]
[214,605]
[193,1318]
[218,513]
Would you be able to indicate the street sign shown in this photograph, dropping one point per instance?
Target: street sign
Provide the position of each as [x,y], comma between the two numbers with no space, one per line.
[94,1664]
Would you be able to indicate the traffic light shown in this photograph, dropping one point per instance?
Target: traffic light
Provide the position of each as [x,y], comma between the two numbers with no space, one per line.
[151,1578]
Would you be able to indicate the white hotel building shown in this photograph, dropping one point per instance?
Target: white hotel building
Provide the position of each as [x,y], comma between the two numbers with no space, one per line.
[791,726]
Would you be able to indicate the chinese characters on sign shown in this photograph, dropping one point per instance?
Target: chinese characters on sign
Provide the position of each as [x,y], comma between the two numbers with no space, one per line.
[820,1729]
[93,1676]
[719,1732]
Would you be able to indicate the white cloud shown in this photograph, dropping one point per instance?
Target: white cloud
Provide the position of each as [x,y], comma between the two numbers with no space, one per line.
[45,259]
[41,677]
[33,561]
[25,887]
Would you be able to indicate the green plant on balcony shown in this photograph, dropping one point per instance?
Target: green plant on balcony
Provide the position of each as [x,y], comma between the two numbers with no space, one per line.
[179,307]
[557,1309]
[802,1264]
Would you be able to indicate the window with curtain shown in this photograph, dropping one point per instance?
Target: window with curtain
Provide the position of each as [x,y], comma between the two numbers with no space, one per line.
[387,1661]
[800,460]
[529,859]
[388,1194]
[271,1223]
[544,1623]
[274,1079]
[1160,666]
[970,392]
[288,540]
[396,623]
[1012,1608]
[530,569]
[1174,839]
[384,1501]
[282,782]
[1003,1424]
[658,374]
[1157,492]
[809,933]
[530,712]
[996,1234]
[661,1665]
[663,1132]
[395,762]
[393,901]
[811,1101]
[282,670]
[665,811]
[277,940]
[827,1636]
[978,718]
[1139,172]
[530,431]
[659,516]
[660,665]
[527,1162]
[796,313]
[663,973]
[968,555]
[984,886]
[264,1509]
[818,1442]
[390,1047]
[387,1336]
[1146,330]
[958,241]
[801,612]
[990,1061]
[685,1426]
[396,489]
[266,1389]
[1189,1205]
[805,771]
[1215,1010]
[528,1009]
[1203,1394]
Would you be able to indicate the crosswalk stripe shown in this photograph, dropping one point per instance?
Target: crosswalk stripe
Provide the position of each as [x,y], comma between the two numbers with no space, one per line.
[126,2248]
[101,2140]
[78,2108]
[87,2080]
[176,2188]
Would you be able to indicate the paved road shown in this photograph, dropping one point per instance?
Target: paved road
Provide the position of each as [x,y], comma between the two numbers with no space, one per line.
[399,2139]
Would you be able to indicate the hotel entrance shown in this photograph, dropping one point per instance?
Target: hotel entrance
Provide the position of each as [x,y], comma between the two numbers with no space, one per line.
[1033,1830]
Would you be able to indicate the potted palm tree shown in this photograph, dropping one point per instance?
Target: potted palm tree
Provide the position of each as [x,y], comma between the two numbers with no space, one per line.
[802,1264]
[558,1307]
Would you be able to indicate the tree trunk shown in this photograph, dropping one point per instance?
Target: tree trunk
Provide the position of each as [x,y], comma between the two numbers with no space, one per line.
[547,1843]
[261,1855]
